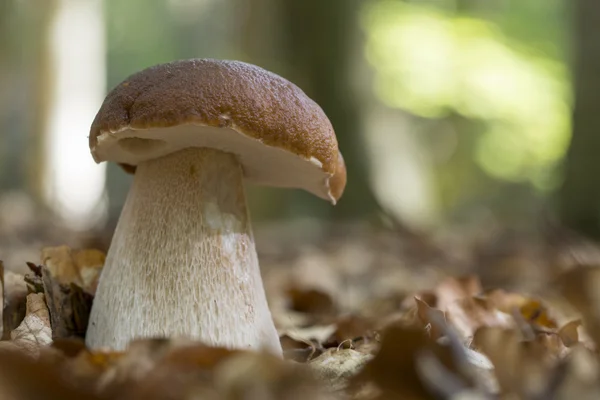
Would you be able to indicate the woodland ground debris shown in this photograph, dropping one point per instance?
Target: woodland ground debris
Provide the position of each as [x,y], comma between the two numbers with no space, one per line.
[393,327]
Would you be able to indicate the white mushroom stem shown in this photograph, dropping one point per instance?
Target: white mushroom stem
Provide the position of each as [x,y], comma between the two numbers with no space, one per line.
[182,262]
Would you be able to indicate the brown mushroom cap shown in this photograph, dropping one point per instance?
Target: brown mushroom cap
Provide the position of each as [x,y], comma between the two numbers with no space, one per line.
[338,180]
[281,137]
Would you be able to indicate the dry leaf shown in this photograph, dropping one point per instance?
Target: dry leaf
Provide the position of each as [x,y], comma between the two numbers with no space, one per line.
[257,376]
[183,370]
[299,350]
[119,370]
[535,313]
[568,333]
[310,301]
[424,313]
[34,331]
[471,313]
[302,344]
[397,358]
[453,289]
[69,306]
[350,328]
[81,267]
[24,378]
[335,367]
[578,377]
[521,368]
[580,286]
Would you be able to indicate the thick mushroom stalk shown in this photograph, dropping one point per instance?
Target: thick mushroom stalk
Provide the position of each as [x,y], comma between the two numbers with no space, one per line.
[182,261]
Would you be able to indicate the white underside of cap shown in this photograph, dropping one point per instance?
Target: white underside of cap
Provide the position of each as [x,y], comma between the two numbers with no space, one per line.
[262,164]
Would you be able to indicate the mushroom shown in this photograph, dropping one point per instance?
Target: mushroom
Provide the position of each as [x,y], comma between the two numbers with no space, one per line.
[182,261]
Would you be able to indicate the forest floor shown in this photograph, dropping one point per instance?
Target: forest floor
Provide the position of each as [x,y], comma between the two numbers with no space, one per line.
[362,312]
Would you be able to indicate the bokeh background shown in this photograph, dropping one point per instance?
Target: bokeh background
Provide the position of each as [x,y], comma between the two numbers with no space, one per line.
[451,114]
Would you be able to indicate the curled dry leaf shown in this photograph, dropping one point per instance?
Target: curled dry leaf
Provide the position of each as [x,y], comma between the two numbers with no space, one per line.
[424,312]
[34,331]
[316,333]
[580,286]
[69,306]
[397,358]
[460,301]
[520,367]
[299,350]
[568,333]
[453,289]
[471,313]
[303,344]
[81,267]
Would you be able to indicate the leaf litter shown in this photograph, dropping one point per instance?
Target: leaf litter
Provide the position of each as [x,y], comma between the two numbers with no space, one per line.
[400,325]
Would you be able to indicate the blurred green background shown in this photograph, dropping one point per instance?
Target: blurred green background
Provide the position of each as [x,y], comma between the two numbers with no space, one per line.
[447,111]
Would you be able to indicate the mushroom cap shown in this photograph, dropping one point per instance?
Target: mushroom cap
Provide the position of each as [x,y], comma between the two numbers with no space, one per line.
[281,137]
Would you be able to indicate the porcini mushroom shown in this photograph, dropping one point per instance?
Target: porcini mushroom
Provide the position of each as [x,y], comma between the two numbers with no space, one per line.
[182,261]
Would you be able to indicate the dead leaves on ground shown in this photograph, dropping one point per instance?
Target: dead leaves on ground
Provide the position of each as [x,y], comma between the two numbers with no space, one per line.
[34,332]
[54,299]
[454,340]
[476,342]
[158,369]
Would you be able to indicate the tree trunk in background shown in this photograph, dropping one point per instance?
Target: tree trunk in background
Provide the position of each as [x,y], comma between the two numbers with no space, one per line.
[6,66]
[320,39]
[40,93]
[73,182]
[580,194]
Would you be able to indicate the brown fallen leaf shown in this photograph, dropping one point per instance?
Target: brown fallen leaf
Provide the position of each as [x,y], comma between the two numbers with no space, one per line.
[350,328]
[580,287]
[258,376]
[120,370]
[578,377]
[299,350]
[452,289]
[34,331]
[179,369]
[310,301]
[183,370]
[81,267]
[303,344]
[521,368]
[24,378]
[69,305]
[471,313]
[424,314]
[70,347]
[568,333]
[504,301]
[397,357]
